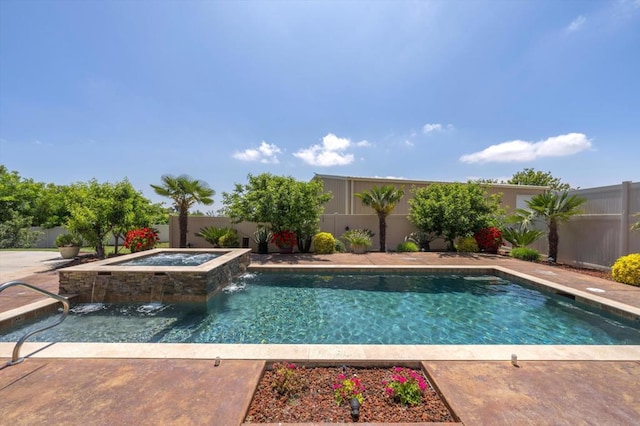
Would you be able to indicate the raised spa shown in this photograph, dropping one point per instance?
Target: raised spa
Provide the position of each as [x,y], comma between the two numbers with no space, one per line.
[161,275]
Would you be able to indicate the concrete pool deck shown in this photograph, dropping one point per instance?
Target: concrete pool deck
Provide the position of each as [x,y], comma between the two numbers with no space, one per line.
[68,383]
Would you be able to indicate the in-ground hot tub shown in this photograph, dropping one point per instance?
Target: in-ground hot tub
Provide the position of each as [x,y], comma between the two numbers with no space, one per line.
[156,276]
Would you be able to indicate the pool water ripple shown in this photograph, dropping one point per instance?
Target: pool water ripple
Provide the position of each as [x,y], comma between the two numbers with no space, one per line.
[355,309]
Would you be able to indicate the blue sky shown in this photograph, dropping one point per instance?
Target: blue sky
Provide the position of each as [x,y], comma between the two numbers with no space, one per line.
[434,90]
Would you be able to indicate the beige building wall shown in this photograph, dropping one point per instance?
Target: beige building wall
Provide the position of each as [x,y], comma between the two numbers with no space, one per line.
[344,189]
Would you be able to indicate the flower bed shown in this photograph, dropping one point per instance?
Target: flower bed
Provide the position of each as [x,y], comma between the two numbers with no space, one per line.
[312,397]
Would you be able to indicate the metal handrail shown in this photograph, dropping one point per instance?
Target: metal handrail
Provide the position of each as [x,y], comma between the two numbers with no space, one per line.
[15,359]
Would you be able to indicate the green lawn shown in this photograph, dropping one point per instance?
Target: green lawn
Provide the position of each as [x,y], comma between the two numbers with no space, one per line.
[108,249]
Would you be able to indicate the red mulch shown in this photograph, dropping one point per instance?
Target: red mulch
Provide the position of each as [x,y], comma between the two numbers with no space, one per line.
[316,403]
[605,275]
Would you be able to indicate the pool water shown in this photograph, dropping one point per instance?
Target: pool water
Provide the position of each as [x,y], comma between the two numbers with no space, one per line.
[354,309]
[171,259]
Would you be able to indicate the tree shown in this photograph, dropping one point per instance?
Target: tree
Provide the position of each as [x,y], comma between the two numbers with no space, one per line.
[553,208]
[18,196]
[15,232]
[95,211]
[453,210]
[43,204]
[280,201]
[185,192]
[382,200]
[530,176]
[133,211]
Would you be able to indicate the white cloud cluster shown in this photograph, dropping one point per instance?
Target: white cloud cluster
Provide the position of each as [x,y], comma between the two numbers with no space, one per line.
[266,153]
[436,127]
[576,24]
[519,151]
[332,152]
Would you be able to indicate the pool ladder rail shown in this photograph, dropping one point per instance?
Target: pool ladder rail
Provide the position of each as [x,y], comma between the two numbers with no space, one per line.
[16,359]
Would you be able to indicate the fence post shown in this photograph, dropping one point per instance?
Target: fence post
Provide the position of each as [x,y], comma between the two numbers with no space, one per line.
[624,218]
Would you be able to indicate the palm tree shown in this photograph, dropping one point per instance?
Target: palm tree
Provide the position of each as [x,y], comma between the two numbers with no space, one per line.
[382,200]
[554,208]
[185,192]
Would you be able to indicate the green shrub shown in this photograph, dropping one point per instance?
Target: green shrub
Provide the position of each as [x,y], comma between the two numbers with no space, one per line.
[229,239]
[521,237]
[358,237]
[407,246]
[66,240]
[339,246]
[525,253]
[627,269]
[324,243]
[467,245]
[213,235]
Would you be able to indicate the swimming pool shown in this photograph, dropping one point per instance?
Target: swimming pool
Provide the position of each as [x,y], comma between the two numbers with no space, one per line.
[329,308]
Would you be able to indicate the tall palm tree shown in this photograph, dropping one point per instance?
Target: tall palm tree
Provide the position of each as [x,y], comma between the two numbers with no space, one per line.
[554,208]
[185,192]
[382,200]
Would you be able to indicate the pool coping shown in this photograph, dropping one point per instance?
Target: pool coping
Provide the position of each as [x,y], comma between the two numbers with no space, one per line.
[358,354]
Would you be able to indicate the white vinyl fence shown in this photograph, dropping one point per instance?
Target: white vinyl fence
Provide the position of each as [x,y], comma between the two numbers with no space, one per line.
[48,237]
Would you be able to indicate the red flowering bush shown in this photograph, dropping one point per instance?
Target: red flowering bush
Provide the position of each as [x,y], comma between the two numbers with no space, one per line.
[284,239]
[489,239]
[141,239]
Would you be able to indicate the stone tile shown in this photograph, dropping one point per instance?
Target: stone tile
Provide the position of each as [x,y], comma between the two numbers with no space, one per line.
[561,393]
[140,392]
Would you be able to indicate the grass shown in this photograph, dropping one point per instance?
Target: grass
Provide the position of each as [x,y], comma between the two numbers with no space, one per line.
[109,249]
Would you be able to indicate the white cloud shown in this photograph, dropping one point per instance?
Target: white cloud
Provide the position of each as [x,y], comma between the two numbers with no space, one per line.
[428,128]
[331,152]
[519,151]
[409,143]
[576,24]
[436,127]
[266,153]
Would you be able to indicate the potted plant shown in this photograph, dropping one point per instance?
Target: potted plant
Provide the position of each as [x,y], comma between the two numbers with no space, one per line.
[68,245]
[285,240]
[359,240]
[262,236]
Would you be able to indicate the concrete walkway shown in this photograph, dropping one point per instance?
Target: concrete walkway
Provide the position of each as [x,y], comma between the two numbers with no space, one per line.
[182,385]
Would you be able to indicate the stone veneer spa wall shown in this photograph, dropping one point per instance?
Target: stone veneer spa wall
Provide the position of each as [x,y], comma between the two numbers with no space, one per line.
[111,282]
